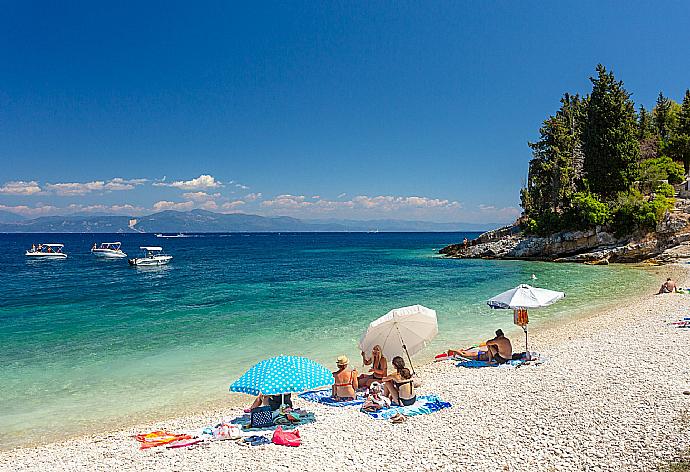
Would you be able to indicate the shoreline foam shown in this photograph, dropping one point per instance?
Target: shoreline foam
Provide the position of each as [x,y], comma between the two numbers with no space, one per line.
[590,407]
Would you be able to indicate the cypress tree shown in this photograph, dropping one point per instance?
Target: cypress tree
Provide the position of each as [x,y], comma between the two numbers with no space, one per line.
[609,136]
[679,145]
[555,169]
[645,128]
[684,115]
[665,119]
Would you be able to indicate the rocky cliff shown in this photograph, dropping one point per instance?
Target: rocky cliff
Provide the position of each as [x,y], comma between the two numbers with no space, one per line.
[669,242]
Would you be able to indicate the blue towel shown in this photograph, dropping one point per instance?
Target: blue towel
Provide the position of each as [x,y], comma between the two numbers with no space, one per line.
[424,405]
[475,364]
[244,421]
[324,397]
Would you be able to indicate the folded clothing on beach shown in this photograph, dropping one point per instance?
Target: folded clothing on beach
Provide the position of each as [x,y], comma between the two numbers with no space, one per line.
[324,397]
[424,405]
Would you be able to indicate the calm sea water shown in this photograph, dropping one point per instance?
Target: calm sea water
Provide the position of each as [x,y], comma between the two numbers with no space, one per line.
[90,344]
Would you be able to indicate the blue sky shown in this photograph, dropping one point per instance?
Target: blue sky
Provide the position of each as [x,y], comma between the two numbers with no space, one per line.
[318,109]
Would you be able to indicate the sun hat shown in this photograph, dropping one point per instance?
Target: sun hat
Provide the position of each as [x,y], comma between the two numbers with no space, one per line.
[342,360]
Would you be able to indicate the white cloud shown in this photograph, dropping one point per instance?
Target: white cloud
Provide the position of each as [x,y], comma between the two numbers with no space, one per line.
[50,210]
[241,187]
[33,212]
[19,187]
[68,189]
[124,209]
[342,195]
[179,206]
[381,203]
[203,182]
[233,205]
[118,183]
[252,197]
[200,196]
[75,188]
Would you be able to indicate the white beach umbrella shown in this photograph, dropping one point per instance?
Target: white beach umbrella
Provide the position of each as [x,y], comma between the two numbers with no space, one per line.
[402,330]
[525,296]
[521,298]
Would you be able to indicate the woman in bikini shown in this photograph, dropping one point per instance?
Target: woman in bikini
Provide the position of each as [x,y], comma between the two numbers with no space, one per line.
[346,383]
[405,388]
[379,367]
[400,379]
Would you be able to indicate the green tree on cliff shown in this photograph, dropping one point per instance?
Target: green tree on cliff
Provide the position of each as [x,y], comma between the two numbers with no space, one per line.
[679,145]
[609,136]
[556,167]
[665,116]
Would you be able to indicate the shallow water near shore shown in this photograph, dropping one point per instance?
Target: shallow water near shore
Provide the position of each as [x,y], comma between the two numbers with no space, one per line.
[89,345]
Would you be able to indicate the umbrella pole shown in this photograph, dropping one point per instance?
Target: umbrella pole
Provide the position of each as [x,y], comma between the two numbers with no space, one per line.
[405,349]
[526,348]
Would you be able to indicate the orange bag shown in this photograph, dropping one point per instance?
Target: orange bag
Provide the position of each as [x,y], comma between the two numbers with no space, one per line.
[520,317]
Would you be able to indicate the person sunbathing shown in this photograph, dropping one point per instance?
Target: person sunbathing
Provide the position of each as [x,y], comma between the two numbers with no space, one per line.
[499,349]
[346,383]
[378,370]
[668,287]
[474,353]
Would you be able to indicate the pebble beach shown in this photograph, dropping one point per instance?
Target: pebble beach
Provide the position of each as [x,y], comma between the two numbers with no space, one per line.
[609,396]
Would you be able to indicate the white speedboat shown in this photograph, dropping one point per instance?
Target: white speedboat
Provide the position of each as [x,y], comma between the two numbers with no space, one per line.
[47,251]
[153,256]
[178,235]
[108,250]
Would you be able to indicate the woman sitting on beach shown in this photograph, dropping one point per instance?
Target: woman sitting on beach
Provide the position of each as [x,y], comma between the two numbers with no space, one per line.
[274,401]
[399,386]
[346,383]
[379,367]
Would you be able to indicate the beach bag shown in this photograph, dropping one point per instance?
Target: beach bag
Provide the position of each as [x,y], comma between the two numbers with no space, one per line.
[286,438]
[520,317]
[226,431]
[261,417]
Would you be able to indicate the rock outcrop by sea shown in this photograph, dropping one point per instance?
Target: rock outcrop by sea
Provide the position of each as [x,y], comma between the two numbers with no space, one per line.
[669,242]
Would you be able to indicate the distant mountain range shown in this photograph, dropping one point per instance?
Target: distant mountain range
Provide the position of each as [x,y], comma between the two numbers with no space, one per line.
[202,221]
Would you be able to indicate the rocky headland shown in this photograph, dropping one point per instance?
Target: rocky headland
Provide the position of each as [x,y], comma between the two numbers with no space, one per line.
[669,242]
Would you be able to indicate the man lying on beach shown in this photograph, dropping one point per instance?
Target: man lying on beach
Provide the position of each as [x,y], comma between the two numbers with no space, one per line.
[668,287]
[499,349]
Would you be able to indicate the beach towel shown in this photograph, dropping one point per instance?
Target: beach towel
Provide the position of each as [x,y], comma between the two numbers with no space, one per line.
[244,421]
[159,438]
[424,405]
[535,359]
[324,397]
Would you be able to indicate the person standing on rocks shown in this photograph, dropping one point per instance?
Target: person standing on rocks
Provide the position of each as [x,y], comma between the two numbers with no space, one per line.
[499,348]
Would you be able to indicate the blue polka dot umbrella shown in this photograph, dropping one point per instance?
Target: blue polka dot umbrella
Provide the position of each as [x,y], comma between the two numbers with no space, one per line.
[283,374]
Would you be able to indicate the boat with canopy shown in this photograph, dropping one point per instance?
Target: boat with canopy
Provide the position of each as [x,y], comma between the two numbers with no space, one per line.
[108,250]
[47,251]
[153,256]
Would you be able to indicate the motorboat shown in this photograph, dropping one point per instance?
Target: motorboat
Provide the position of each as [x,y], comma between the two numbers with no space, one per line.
[178,235]
[153,256]
[108,250]
[47,251]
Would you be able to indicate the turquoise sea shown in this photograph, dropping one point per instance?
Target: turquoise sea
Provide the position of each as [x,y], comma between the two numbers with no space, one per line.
[89,345]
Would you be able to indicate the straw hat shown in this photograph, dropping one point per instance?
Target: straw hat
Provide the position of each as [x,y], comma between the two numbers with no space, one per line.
[342,360]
